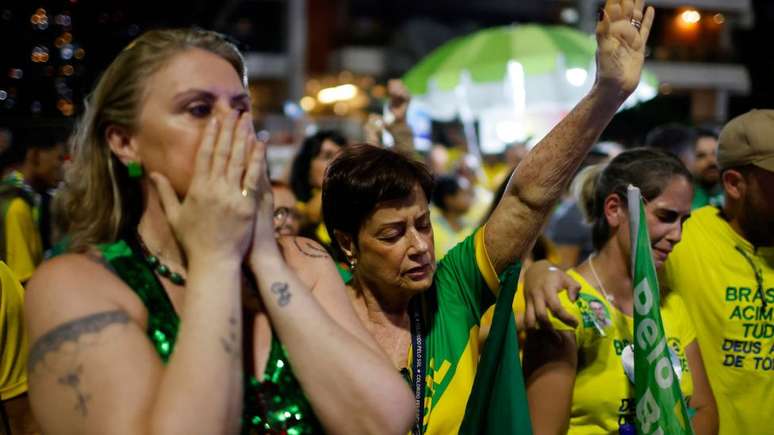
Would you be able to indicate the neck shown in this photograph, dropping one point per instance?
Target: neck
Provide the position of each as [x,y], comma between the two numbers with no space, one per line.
[382,308]
[156,232]
[612,268]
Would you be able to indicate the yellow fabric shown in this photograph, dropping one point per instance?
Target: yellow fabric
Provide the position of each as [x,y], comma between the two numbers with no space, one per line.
[449,378]
[448,412]
[24,249]
[444,237]
[13,339]
[735,333]
[603,395]
[322,235]
[484,262]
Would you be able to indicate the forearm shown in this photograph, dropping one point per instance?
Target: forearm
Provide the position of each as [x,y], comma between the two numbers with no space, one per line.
[539,180]
[403,137]
[705,422]
[331,362]
[203,379]
[542,176]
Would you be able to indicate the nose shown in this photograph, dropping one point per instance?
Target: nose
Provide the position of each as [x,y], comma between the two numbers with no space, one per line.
[675,233]
[419,245]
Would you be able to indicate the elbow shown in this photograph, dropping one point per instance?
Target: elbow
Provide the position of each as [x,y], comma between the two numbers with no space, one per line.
[393,413]
[397,415]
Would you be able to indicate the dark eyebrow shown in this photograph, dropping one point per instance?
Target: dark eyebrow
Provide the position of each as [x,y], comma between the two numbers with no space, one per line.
[391,224]
[209,96]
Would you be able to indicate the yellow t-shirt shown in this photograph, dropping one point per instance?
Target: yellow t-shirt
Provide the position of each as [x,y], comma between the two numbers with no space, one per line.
[712,269]
[603,396]
[13,340]
[444,237]
[23,247]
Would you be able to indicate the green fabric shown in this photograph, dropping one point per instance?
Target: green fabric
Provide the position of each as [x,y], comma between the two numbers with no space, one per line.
[485,55]
[660,406]
[498,402]
[274,404]
[703,196]
[451,309]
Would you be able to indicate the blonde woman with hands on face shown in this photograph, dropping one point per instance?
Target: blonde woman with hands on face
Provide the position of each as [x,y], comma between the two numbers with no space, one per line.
[151,324]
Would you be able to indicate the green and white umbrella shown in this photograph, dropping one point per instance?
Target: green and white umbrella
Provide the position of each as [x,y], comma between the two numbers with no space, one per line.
[529,75]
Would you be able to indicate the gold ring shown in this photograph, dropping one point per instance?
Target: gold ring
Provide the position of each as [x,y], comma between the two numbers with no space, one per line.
[636,23]
[248,191]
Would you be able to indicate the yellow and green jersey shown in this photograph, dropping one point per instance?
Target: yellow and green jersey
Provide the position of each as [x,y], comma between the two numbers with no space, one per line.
[464,287]
[603,395]
[728,289]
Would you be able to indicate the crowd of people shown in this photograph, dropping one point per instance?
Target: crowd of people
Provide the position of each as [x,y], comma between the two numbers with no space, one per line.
[184,291]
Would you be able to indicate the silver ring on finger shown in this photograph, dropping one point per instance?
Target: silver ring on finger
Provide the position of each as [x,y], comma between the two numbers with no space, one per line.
[248,192]
[636,23]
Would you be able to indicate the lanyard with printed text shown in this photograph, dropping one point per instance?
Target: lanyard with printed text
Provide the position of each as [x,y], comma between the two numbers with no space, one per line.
[418,342]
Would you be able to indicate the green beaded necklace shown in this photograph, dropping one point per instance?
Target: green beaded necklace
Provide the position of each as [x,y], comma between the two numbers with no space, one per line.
[162,269]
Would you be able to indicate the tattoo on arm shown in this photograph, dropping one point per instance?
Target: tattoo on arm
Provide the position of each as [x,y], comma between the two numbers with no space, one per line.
[231,344]
[310,249]
[282,291]
[69,371]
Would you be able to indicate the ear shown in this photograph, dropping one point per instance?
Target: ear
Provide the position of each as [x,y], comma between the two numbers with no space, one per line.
[734,184]
[346,243]
[121,144]
[615,210]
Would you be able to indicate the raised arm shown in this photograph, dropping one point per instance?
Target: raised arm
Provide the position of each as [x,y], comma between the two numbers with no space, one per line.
[332,354]
[542,176]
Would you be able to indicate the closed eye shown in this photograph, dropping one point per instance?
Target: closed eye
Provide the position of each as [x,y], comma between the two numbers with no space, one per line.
[199,110]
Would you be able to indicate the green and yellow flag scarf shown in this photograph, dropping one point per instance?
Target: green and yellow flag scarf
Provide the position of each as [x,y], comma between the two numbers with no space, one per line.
[660,407]
[498,400]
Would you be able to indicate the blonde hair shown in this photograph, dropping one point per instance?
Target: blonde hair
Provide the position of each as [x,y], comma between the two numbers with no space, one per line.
[102,203]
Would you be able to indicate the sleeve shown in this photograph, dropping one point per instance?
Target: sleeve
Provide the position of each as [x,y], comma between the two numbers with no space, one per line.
[13,353]
[466,279]
[20,238]
[574,310]
[687,330]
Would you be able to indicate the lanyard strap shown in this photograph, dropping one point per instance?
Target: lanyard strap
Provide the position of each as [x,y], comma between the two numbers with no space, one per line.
[418,342]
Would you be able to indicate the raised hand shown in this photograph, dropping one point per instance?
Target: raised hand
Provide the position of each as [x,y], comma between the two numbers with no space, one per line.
[399,99]
[621,36]
[215,218]
[263,225]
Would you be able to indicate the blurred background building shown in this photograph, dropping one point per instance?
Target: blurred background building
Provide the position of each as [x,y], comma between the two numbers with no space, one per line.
[324,63]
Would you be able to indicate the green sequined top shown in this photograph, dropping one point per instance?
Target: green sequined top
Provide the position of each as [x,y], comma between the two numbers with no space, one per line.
[274,405]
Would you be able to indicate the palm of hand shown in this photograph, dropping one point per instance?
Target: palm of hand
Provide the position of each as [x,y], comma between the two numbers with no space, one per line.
[621,46]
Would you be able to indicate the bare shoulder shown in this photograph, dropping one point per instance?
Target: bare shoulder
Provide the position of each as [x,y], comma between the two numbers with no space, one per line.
[296,248]
[74,286]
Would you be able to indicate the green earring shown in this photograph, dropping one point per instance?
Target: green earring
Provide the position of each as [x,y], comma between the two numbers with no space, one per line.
[135,169]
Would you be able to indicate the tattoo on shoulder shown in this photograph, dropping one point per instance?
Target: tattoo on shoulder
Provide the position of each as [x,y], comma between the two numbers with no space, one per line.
[310,249]
[71,332]
[67,340]
[282,291]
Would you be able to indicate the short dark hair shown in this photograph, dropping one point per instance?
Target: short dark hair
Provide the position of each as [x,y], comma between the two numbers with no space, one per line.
[363,176]
[28,138]
[445,185]
[647,168]
[673,138]
[310,148]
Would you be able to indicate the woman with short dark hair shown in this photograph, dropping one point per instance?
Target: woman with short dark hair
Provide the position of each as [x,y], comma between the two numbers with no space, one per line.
[426,315]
